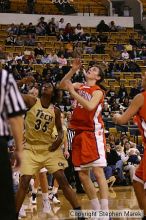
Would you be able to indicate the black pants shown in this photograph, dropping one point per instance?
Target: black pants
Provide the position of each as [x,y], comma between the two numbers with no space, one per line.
[7,203]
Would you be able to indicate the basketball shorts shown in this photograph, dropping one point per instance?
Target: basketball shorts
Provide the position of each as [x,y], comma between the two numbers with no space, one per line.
[88,150]
[36,157]
[140,174]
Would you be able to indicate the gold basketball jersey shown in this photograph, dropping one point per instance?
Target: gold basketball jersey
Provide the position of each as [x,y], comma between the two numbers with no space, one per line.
[55,134]
[39,124]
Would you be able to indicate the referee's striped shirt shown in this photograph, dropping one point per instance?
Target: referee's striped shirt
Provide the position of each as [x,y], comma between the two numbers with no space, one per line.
[11,102]
[70,135]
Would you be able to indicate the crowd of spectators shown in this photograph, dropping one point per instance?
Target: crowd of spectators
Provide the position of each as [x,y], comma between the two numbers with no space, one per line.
[122,154]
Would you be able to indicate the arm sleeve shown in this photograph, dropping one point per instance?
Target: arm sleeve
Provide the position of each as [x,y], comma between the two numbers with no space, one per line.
[13,100]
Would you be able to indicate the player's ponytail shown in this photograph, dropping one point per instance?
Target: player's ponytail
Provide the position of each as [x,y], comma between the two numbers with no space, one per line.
[99,82]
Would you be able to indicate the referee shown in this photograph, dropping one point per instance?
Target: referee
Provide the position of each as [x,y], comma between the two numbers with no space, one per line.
[11,109]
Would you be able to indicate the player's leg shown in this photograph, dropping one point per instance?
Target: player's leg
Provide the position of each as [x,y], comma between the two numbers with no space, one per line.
[44,188]
[138,185]
[103,186]
[53,194]
[22,191]
[89,189]
[29,167]
[35,186]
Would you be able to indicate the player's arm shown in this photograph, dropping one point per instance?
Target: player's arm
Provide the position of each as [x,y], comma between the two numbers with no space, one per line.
[75,66]
[29,100]
[87,104]
[58,125]
[135,105]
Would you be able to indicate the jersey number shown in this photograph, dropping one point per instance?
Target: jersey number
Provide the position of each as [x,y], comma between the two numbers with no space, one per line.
[38,125]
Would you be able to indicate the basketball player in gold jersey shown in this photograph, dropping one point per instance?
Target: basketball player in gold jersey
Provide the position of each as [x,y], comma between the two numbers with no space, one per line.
[41,149]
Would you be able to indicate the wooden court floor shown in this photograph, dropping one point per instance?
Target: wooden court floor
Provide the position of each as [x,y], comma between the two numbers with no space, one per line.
[119,198]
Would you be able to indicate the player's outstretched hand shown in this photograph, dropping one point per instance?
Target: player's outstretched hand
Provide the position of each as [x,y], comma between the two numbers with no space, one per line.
[76,64]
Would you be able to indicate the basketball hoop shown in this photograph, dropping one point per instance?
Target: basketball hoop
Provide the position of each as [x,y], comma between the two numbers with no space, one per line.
[61,1]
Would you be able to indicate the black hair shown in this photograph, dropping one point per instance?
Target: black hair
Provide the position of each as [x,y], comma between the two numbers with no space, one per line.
[55,99]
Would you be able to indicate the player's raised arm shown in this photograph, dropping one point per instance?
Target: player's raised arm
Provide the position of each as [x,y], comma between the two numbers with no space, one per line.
[75,66]
[135,105]
[87,104]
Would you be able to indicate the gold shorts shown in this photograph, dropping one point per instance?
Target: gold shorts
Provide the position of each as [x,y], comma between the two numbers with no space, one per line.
[36,157]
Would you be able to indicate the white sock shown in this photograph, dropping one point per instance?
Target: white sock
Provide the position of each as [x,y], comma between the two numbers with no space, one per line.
[34,190]
[45,196]
[95,204]
[104,204]
[54,190]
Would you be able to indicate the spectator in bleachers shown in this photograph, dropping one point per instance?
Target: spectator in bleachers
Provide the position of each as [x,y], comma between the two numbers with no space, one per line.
[133,91]
[113,27]
[124,66]
[133,66]
[54,24]
[46,69]
[125,103]
[31,29]
[115,54]
[31,58]
[106,110]
[135,53]
[11,39]
[30,40]
[79,32]
[40,29]
[78,50]
[132,41]
[50,29]
[54,57]
[19,41]
[122,92]
[62,61]
[114,161]
[69,49]
[119,45]
[99,48]
[111,140]
[88,49]
[102,27]
[113,67]
[125,55]
[69,32]
[13,29]
[60,35]
[61,51]
[46,59]
[61,24]
[111,92]
[141,42]
[39,50]
[9,57]
[102,37]
[115,107]
[21,29]
[19,56]
[42,22]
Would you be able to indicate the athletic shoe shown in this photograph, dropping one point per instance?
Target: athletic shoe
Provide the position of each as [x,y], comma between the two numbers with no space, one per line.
[46,207]
[22,212]
[54,198]
[33,199]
